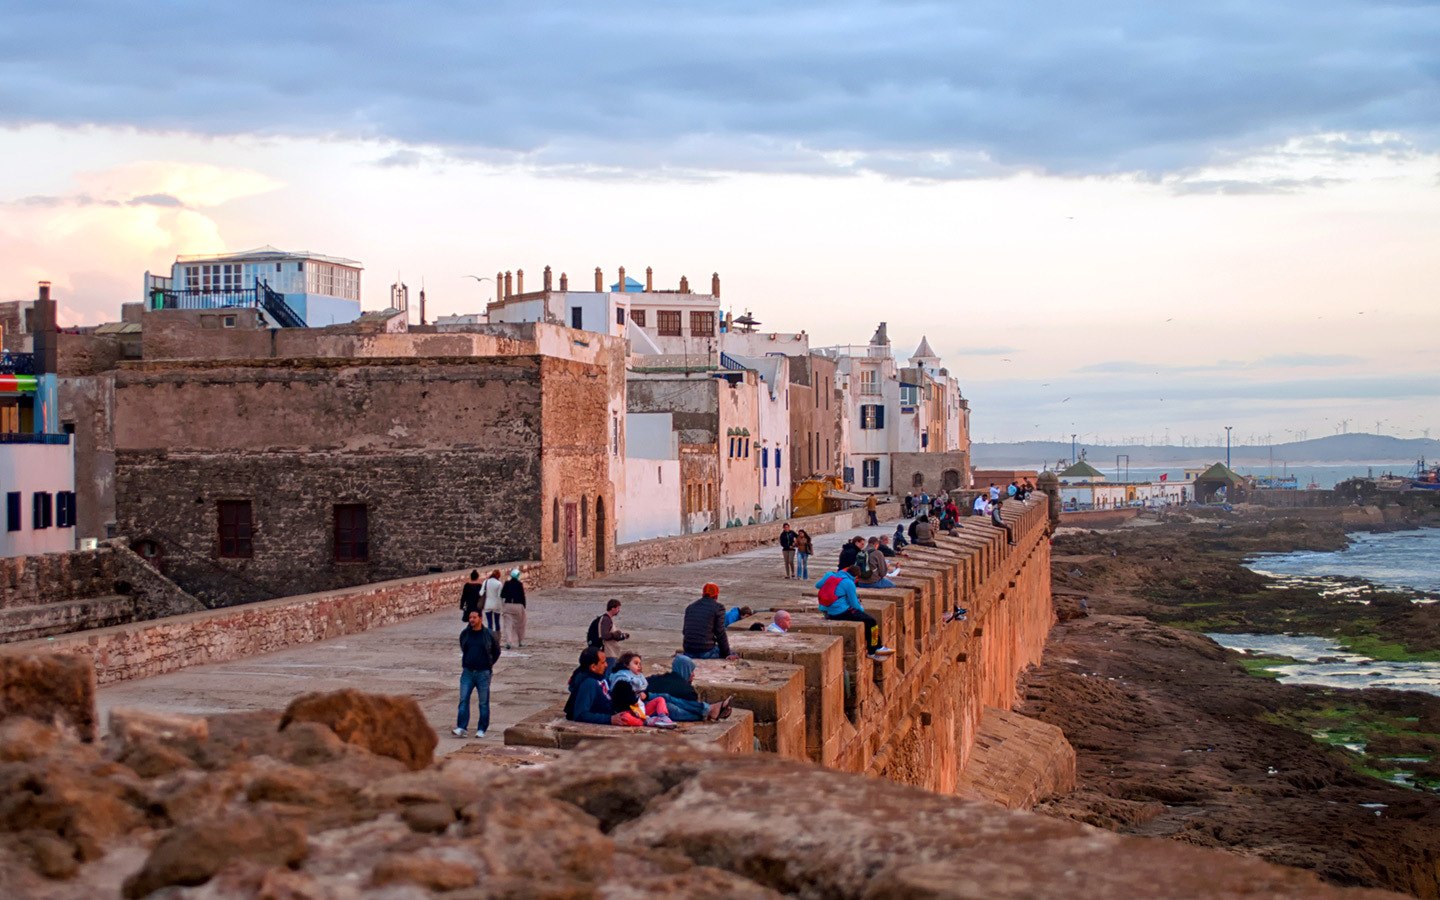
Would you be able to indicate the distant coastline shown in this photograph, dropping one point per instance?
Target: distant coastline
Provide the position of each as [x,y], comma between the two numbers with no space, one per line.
[1358,451]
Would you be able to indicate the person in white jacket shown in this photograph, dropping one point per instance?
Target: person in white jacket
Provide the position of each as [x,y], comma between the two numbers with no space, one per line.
[493,604]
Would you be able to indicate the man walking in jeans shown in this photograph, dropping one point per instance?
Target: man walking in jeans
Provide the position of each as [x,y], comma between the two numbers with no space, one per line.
[479,650]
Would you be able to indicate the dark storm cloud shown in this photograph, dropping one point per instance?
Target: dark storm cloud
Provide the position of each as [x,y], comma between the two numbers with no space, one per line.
[907,89]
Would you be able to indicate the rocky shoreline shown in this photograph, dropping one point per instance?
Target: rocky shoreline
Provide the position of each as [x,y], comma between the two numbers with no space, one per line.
[1177,738]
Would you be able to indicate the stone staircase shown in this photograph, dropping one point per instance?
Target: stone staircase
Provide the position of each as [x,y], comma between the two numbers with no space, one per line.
[23,623]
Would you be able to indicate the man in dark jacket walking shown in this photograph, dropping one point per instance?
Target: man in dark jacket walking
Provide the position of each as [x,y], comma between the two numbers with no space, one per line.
[704,627]
[478,652]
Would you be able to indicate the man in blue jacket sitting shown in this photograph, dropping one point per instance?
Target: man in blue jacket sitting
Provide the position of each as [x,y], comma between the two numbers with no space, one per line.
[589,693]
[839,600]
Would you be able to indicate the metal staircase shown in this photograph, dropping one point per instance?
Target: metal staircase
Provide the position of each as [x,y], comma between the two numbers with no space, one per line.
[277,309]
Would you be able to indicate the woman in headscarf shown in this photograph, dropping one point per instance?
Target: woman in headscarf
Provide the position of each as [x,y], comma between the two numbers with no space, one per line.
[685,705]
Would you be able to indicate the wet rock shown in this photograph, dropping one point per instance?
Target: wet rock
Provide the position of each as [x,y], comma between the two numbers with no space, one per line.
[55,689]
[191,854]
[384,725]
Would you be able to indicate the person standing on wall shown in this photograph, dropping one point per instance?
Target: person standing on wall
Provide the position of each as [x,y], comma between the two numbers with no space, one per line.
[479,649]
[871,507]
[491,588]
[787,549]
[472,597]
[512,596]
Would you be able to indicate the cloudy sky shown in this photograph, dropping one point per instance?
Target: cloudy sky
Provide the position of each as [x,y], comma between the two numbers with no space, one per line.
[1120,220]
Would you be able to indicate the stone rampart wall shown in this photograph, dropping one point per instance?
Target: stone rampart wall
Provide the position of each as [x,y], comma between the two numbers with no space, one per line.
[918,716]
[669,551]
[57,593]
[146,649]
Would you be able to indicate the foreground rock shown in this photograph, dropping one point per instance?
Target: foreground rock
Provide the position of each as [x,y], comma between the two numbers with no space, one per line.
[271,805]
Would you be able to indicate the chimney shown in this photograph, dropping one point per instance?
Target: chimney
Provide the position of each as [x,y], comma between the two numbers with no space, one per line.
[684,285]
[545,279]
[715,285]
[499,287]
[649,279]
[564,282]
[46,339]
[519,281]
[422,306]
[622,279]
[599,280]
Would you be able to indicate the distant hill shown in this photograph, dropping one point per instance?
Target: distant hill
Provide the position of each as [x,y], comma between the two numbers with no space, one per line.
[1336,449]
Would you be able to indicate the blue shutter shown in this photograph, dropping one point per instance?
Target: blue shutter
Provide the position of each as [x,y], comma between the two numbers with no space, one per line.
[879,416]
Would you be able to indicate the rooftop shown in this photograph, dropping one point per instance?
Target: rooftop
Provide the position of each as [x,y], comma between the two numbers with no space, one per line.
[267,252]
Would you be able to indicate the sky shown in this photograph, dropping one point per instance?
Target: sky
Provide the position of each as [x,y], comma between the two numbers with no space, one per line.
[1126,221]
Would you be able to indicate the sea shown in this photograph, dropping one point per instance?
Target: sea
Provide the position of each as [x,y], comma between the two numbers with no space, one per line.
[1401,560]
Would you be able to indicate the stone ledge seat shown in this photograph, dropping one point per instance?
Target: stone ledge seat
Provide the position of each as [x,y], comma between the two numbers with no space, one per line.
[549,728]
[774,692]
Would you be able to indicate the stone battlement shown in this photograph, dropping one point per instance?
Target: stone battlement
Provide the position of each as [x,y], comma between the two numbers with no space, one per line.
[915,717]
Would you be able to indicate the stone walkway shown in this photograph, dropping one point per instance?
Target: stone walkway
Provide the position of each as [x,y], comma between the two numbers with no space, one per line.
[421,657]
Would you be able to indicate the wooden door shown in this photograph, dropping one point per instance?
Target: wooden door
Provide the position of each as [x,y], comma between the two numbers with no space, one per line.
[599,534]
[572,541]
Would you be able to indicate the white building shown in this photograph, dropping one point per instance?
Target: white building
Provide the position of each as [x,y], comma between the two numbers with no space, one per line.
[650,504]
[320,290]
[773,436]
[869,380]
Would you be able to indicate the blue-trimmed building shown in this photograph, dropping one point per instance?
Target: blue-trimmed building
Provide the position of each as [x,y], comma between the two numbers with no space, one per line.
[292,289]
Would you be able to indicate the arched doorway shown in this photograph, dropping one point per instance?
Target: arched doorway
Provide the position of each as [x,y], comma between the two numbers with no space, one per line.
[152,552]
[950,480]
[599,534]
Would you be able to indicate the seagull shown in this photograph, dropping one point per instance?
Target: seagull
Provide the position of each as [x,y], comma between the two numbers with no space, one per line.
[1004,360]
[478,278]
[1066,400]
[1171,319]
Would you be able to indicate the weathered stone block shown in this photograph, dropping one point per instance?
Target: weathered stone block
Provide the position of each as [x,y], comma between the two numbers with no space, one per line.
[773,692]
[384,725]
[550,729]
[822,659]
[58,690]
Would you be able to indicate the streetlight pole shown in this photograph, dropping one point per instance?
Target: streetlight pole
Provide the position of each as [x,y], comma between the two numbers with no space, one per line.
[1072,448]
[1227,445]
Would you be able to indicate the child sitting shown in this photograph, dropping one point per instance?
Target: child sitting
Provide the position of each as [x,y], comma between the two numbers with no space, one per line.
[634,712]
[628,673]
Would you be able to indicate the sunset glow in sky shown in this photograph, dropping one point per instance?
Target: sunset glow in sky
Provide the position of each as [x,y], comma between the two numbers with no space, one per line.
[1175,219]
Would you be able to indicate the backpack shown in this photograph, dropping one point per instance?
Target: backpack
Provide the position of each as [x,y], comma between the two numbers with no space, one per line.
[827,589]
[863,561]
[592,635]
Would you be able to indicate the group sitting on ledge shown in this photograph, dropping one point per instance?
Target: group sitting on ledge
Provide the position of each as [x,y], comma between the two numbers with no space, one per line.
[625,697]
